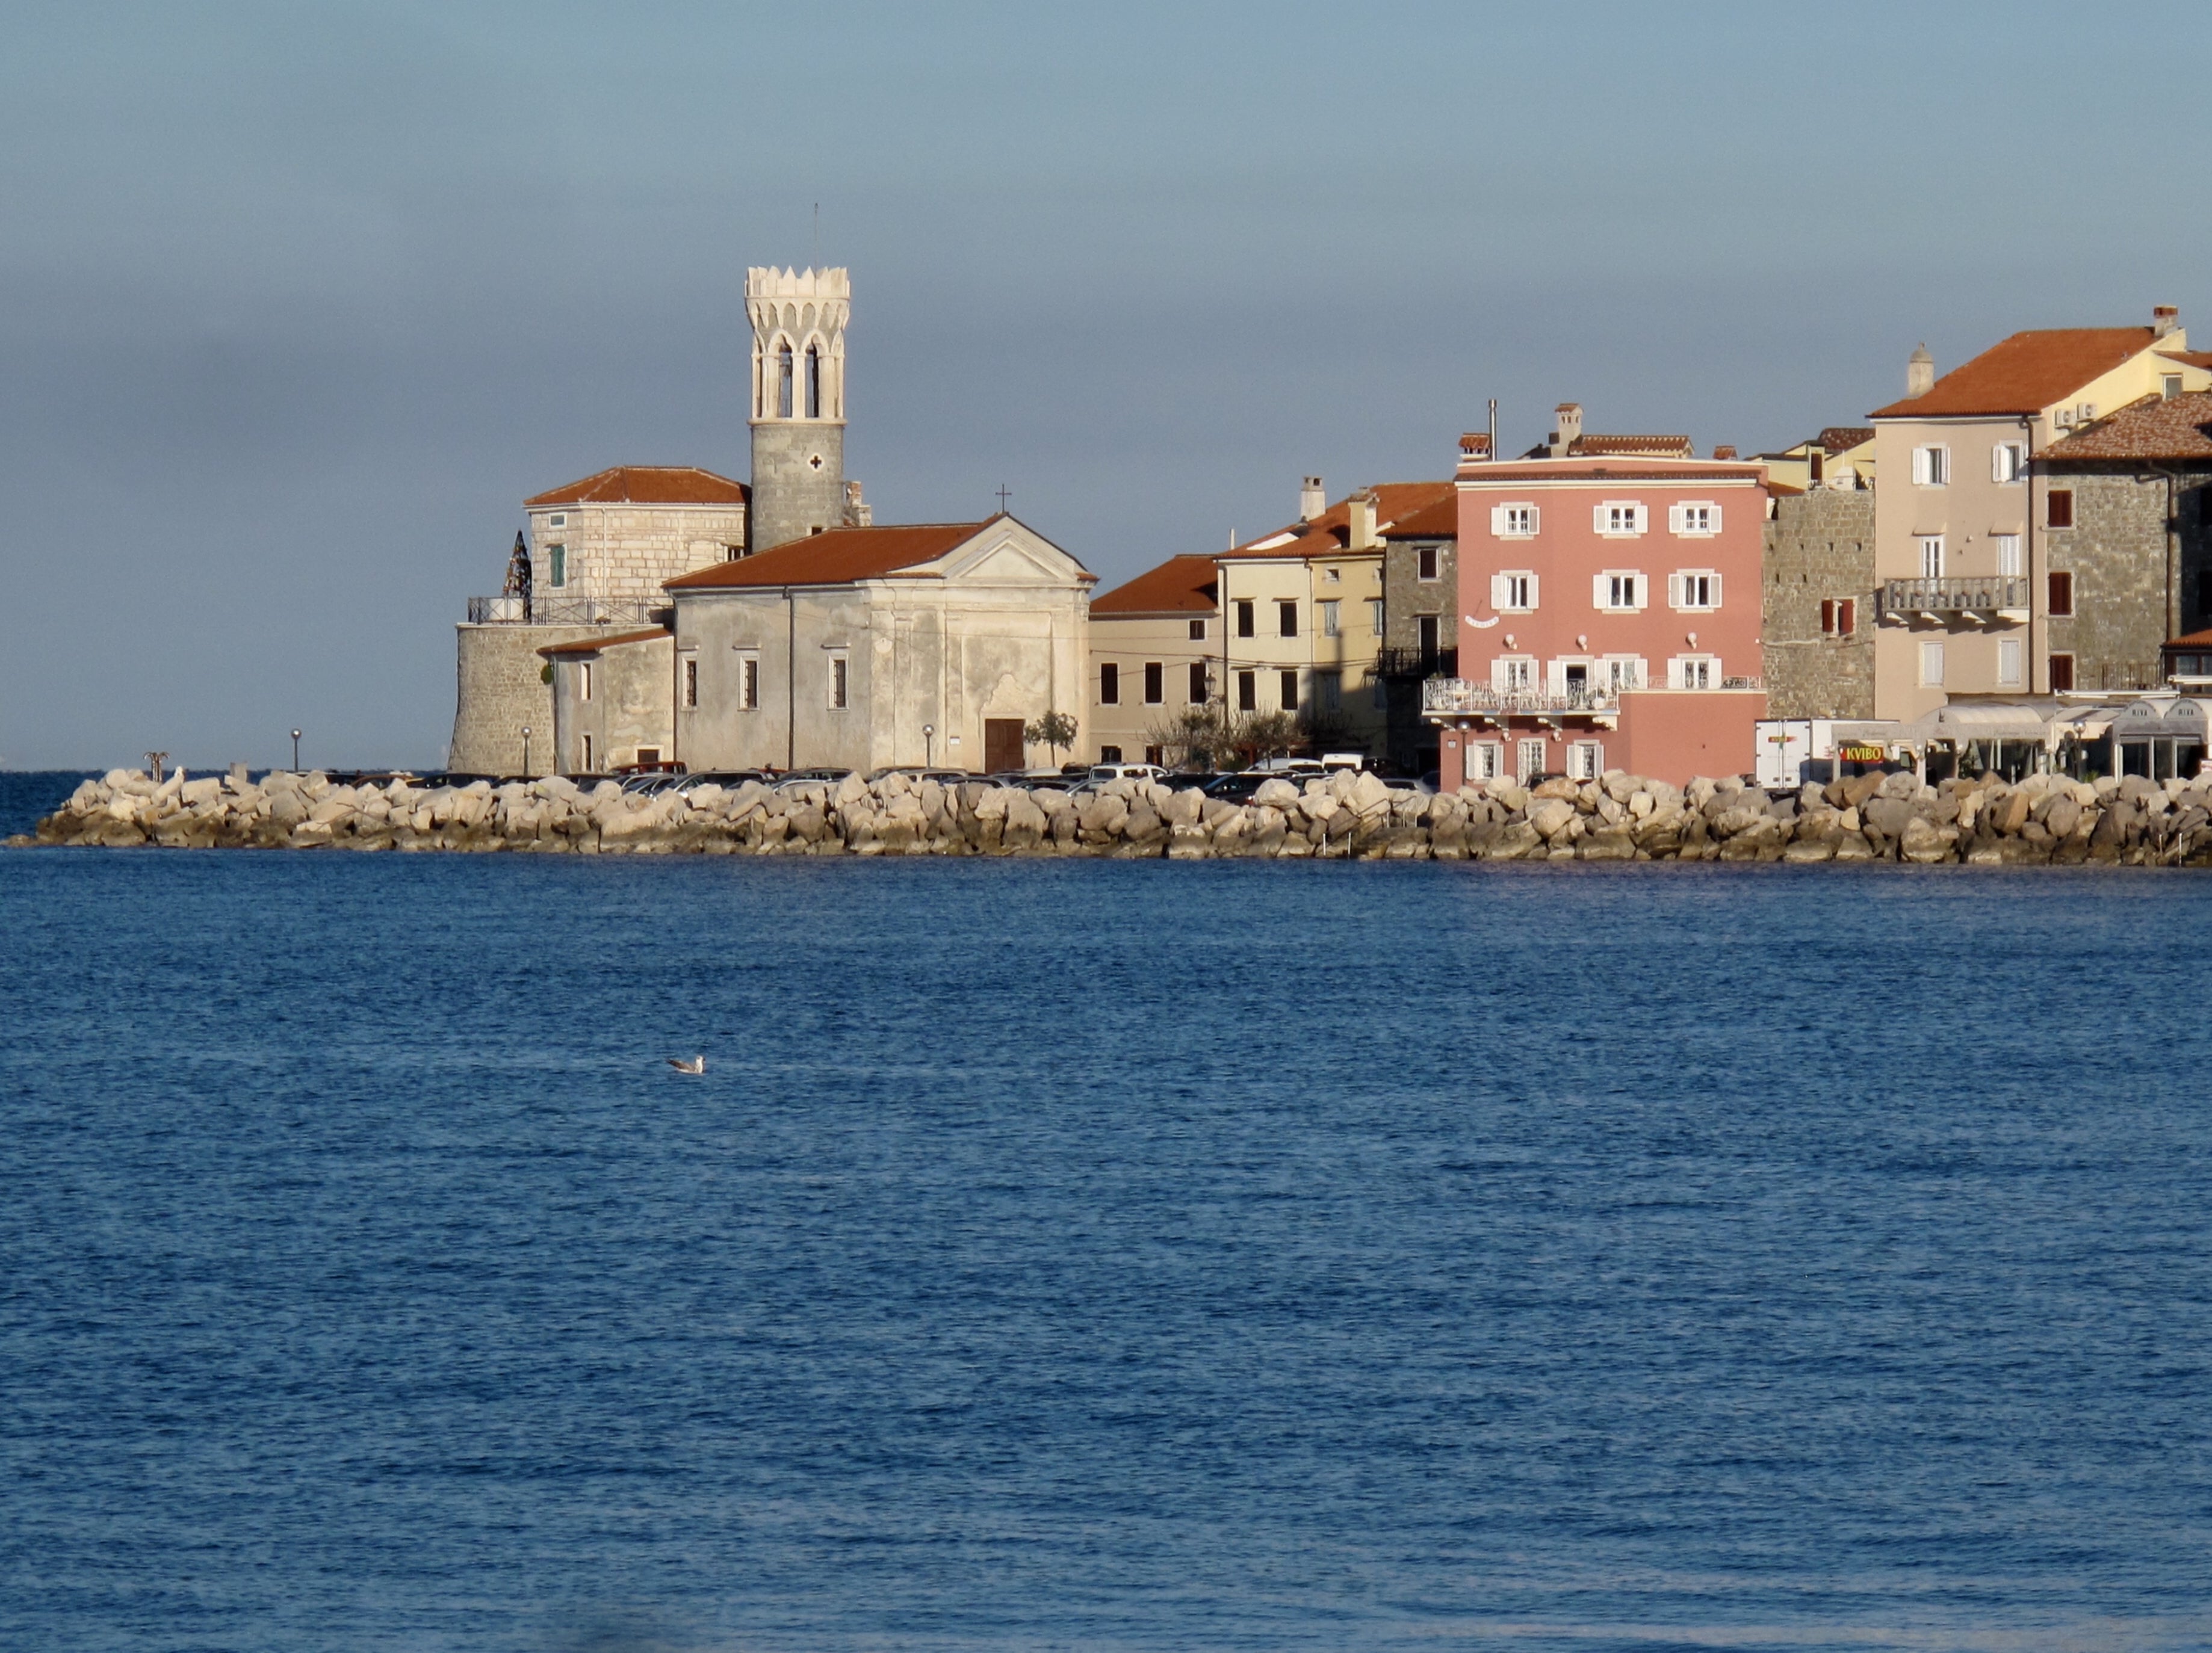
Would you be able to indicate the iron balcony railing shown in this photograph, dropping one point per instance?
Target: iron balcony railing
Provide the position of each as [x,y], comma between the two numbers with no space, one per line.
[565,611]
[1417,662]
[1946,594]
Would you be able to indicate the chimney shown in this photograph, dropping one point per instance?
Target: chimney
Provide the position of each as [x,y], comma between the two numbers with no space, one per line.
[1313,499]
[1725,451]
[1360,536]
[857,512]
[2164,318]
[1919,373]
[1567,428]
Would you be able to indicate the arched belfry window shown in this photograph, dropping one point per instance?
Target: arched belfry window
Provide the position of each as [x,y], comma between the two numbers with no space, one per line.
[813,383]
[783,381]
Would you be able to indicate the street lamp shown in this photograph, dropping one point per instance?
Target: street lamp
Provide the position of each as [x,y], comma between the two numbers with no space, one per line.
[525,750]
[295,751]
[929,746]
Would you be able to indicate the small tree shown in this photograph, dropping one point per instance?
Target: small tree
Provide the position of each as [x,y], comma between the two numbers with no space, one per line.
[1262,734]
[1196,734]
[1054,730]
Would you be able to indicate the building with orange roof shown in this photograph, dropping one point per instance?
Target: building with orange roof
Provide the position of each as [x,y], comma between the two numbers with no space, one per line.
[1964,520]
[1155,657]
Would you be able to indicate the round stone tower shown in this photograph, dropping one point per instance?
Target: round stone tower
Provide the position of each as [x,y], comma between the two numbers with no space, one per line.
[799,402]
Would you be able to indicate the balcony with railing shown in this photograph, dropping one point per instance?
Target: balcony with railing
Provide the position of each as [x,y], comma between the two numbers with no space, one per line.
[1463,696]
[1417,662]
[565,611]
[1948,593]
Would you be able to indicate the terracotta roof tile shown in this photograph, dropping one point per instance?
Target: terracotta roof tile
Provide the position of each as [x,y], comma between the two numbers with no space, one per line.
[2024,374]
[1184,585]
[1842,439]
[2193,640]
[2189,358]
[646,484]
[1439,521]
[1553,470]
[1657,447]
[593,645]
[838,556]
[1327,534]
[2151,427]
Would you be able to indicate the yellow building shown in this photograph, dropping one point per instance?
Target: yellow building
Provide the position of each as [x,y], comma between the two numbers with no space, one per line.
[1155,656]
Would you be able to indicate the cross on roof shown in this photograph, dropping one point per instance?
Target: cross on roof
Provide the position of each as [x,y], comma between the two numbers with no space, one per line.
[1005,493]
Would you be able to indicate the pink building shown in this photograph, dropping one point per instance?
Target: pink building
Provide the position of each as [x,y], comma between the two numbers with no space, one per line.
[1609,606]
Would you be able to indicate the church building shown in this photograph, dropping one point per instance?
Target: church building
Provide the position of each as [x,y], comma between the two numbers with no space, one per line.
[668,614]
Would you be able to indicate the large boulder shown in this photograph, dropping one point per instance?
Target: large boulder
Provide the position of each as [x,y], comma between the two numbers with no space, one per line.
[1551,815]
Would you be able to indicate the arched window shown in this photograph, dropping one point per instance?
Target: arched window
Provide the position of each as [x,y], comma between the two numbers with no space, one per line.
[783,382]
[813,383]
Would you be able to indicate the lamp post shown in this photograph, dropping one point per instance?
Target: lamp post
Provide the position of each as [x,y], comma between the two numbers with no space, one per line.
[526,751]
[295,751]
[929,746]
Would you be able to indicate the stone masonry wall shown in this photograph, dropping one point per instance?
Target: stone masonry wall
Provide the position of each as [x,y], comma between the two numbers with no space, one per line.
[791,498]
[1819,545]
[499,692]
[1410,741]
[623,553]
[2117,552]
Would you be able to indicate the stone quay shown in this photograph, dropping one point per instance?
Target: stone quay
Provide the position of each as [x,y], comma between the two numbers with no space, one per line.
[2043,820]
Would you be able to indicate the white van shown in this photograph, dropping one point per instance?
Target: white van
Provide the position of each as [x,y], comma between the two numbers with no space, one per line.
[1102,772]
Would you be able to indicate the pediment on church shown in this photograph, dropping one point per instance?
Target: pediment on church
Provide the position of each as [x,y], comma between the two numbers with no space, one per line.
[1007,553]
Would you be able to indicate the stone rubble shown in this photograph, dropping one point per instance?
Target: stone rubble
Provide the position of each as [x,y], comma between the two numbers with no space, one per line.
[1618,817]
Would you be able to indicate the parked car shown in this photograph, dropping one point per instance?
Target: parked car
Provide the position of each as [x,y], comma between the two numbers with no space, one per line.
[795,777]
[1034,780]
[1102,772]
[921,771]
[1239,787]
[725,778]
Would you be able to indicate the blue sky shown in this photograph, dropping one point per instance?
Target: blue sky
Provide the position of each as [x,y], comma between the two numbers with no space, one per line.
[297,303]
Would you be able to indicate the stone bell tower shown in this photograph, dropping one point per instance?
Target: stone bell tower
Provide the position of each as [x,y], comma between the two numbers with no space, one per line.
[799,402]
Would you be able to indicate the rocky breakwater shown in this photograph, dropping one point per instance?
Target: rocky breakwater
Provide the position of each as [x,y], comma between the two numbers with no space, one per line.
[1619,817]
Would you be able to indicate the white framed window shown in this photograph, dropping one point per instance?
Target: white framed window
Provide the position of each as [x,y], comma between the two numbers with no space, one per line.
[1483,760]
[1618,591]
[1513,522]
[1509,672]
[840,681]
[1585,760]
[1620,518]
[558,519]
[1531,758]
[584,682]
[1931,465]
[1693,671]
[1932,665]
[1622,671]
[1156,683]
[1513,593]
[2007,555]
[1694,519]
[1694,590]
[2009,662]
[1328,621]
[1375,615]
[748,680]
[1931,556]
[2009,462]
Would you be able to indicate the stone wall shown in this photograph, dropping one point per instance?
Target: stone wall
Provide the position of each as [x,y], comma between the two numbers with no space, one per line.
[1409,740]
[1820,546]
[791,496]
[2118,554]
[500,690]
[623,553]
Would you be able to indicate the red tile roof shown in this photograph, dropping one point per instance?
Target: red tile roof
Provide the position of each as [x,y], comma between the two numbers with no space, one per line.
[2027,373]
[1184,585]
[2194,640]
[1842,439]
[1553,470]
[2189,358]
[1474,443]
[1657,447]
[646,484]
[1327,534]
[2151,427]
[1439,521]
[838,556]
[593,645]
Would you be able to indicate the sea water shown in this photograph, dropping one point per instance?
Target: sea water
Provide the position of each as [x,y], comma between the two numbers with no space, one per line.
[1100,1254]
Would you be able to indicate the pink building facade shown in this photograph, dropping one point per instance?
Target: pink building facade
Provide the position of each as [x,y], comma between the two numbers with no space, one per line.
[1609,618]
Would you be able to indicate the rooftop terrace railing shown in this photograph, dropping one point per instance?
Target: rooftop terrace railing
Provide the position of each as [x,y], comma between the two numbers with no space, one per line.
[564,611]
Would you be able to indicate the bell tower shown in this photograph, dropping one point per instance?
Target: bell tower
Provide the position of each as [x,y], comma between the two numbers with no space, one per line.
[799,402]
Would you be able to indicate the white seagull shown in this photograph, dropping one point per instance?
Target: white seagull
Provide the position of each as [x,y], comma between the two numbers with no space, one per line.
[696,1065]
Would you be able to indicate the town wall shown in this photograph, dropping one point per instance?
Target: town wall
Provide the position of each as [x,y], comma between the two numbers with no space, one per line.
[1820,546]
[501,690]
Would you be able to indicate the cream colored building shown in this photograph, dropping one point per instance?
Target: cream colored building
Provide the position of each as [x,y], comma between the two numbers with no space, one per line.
[1155,655]
[1840,458]
[1961,566]
[612,702]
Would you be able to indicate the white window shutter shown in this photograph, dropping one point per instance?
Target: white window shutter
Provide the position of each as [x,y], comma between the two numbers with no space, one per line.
[1715,590]
[1642,519]
[1998,458]
[1532,591]
[1497,672]
[1673,590]
[1498,590]
[1498,521]
[1535,519]
[1920,467]
[1600,593]
[1677,519]
[1597,519]
[1712,519]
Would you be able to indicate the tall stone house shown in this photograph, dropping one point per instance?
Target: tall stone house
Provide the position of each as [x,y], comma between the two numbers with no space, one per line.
[858,648]
[1818,588]
[1420,622]
[2127,515]
[1963,552]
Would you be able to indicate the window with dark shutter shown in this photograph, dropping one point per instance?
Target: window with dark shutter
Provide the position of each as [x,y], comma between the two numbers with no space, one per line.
[1155,682]
[1428,625]
[1109,685]
[1198,631]
[1245,624]
[2062,593]
[1827,617]
[1248,691]
[2059,508]
[1846,617]
[1198,685]
[1286,617]
[1427,557]
[1290,691]
[2061,674]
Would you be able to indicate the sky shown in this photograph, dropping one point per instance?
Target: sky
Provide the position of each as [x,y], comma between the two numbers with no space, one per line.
[298,303]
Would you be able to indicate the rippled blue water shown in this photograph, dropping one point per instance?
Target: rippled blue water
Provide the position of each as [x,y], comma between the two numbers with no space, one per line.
[1100,1256]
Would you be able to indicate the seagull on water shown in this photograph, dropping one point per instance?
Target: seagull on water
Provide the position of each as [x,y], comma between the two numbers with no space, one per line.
[696,1065]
